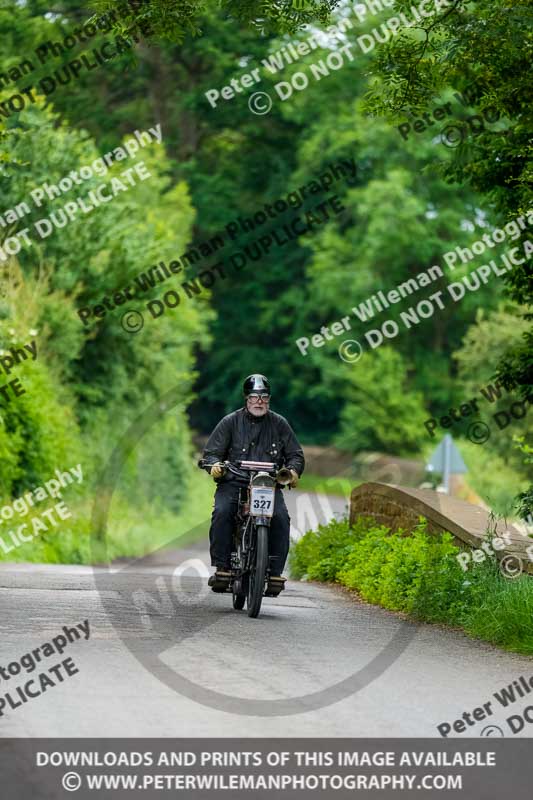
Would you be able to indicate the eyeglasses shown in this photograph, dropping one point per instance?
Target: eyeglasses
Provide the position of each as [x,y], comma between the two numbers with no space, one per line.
[264,396]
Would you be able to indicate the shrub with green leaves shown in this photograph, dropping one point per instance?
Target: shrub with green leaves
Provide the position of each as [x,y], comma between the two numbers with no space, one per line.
[319,554]
[418,573]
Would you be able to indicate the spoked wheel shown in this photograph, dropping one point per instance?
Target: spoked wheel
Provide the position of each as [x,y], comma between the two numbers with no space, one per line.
[256,581]
[240,584]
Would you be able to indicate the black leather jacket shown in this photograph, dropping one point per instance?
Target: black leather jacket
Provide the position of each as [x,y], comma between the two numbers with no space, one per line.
[240,436]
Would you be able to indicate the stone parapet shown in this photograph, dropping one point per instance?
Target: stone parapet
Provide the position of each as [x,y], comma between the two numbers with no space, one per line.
[398,507]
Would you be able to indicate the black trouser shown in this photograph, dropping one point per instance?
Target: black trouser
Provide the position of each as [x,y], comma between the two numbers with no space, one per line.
[223,524]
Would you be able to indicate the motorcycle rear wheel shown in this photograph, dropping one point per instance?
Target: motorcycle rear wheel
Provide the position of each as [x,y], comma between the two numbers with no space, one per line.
[256,580]
[240,585]
[238,601]
[239,592]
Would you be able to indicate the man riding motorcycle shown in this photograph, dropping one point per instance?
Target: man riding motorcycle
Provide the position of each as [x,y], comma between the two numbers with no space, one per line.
[253,433]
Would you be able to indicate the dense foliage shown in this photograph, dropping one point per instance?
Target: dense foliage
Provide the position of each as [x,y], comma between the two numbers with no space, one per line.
[485,46]
[418,574]
[402,212]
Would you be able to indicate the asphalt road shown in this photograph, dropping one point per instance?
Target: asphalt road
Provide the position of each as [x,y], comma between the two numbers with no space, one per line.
[236,676]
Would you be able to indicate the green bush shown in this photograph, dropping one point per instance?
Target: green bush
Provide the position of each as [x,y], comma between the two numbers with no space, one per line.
[499,610]
[132,530]
[90,385]
[38,431]
[318,555]
[417,573]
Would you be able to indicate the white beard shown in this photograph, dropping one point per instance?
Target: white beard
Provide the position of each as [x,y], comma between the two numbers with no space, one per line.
[255,411]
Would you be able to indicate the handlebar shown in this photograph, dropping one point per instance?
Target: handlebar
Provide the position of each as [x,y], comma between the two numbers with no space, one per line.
[232,468]
[243,468]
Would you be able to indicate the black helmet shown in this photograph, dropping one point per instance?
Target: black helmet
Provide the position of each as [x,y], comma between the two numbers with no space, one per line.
[255,383]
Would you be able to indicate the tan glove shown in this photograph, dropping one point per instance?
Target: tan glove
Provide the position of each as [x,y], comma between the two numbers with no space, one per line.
[217,470]
[295,478]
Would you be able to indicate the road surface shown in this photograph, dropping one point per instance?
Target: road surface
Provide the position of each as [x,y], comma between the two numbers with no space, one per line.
[309,639]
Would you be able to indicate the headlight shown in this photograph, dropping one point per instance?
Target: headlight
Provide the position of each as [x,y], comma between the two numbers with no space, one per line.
[263,479]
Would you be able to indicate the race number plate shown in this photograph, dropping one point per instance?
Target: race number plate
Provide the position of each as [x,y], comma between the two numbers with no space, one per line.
[262,501]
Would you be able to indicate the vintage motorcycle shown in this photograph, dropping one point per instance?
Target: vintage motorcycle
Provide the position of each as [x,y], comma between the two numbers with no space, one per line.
[250,569]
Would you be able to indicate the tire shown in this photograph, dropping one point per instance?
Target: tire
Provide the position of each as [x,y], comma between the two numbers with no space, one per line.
[239,601]
[239,597]
[256,580]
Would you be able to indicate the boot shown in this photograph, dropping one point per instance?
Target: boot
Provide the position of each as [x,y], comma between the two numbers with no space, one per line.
[276,584]
[220,580]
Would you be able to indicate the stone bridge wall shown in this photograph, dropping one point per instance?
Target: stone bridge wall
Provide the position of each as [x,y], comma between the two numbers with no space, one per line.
[398,507]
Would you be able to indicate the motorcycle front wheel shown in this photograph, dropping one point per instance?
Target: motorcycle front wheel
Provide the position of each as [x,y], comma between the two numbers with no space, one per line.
[256,580]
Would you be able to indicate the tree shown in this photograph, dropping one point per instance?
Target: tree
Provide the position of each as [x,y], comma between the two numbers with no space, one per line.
[402,212]
[483,47]
[105,376]
[175,20]
[484,344]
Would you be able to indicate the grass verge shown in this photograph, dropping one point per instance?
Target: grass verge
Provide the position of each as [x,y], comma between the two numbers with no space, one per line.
[419,575]
[341,487]
[131,531]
